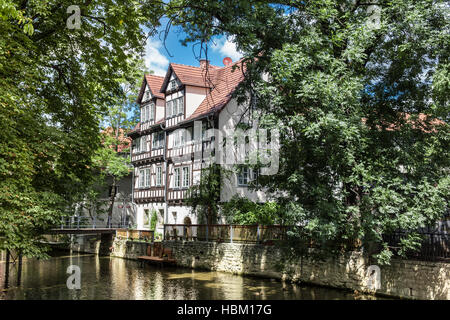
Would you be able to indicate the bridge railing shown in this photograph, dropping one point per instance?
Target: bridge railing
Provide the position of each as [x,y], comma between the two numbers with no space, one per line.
[225,232]
[75,222]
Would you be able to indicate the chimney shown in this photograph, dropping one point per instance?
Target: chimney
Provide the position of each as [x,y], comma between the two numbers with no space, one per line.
[204,63]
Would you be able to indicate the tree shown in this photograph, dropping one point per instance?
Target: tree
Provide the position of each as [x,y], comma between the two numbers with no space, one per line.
[204,197]
[55,82]
[359,91]
[112,161]
[122,116]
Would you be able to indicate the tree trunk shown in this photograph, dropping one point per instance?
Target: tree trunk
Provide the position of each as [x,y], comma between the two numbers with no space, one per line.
[112,199]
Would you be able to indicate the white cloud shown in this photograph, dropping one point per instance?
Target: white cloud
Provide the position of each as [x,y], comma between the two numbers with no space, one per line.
[154,59]
[227,48]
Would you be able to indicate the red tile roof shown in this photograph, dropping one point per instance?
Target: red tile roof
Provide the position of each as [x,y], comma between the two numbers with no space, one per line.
[224,81]
[154,83]
[194,76]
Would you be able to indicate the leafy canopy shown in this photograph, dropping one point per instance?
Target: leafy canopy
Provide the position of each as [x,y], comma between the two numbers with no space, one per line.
[360,96]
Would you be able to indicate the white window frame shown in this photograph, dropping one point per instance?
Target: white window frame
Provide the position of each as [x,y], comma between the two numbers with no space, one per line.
[177,177]
[158,180]
[186,177]
[141,178]
[151,116]
[147,178]
[172,84]
[242,177]
[157,140]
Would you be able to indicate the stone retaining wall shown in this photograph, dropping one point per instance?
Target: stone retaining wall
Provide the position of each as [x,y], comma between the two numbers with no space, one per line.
[403,278]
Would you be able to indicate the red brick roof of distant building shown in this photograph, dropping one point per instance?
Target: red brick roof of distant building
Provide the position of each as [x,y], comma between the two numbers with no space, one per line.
[423,122]
[124,141]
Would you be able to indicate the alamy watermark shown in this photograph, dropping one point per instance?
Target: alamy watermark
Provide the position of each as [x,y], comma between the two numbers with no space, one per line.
[74,280]
[253,147]
[74,20]
[373,275]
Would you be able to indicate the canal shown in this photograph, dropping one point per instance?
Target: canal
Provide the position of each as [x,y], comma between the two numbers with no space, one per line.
[108,278]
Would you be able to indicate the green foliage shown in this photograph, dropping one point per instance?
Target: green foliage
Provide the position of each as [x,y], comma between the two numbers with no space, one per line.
[153,220]
[55,84]
[204,197]
[241,210]
[362,108]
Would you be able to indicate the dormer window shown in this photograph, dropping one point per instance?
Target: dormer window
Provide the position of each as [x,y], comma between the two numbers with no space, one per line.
[148,112]
[173,84]
[175,107]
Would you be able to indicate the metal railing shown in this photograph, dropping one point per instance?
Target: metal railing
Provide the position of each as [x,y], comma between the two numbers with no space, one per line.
[434,246]
[225,232]
[127,234]
[76,222]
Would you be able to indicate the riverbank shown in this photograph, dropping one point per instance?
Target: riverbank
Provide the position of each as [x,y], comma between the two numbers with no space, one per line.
[110,278]
[402,279]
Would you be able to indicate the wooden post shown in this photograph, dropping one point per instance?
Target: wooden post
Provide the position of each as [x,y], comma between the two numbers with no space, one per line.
[207,232]
[19,272]
[7,269]
[231,233]
[257,234]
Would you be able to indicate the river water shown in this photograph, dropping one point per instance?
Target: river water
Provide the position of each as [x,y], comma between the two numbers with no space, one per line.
[108,278]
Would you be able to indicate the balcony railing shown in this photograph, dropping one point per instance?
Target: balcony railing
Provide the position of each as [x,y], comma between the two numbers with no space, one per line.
[151,193]
[153,153]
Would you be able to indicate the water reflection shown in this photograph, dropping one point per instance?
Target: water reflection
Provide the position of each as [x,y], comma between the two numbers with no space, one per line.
[114,278]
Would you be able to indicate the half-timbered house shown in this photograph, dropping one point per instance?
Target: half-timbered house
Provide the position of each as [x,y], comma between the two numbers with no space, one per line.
[165,140]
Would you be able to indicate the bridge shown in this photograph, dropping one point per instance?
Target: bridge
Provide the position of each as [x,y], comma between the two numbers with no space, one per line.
[87,225]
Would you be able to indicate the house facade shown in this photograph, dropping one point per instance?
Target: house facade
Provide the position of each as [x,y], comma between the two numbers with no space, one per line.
[175,139]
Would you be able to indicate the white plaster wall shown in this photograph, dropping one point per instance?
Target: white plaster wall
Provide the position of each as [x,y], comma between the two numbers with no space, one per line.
[181,213]
[160,109]
[194,97]
[158,206]
[228,119]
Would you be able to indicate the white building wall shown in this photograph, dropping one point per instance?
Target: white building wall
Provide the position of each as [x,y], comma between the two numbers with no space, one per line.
[160,109]
[194,97]
[229,117]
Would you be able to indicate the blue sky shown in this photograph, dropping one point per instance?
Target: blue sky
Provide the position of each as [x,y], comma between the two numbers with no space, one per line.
[157,58]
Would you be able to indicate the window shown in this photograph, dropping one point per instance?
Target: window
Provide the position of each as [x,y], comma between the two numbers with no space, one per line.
[173,84]
[147,95]
[169,108]
[246,175]
[177,178]
[141,178]
[176,138]
[146,218]
[151,112]
[137,145]
[147,177]
[158,140]
[243,176]
[182,136]
[140,144]
[144,114]
[158,175]
[144,143]
[186,177]
[175,107]
[180,105]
